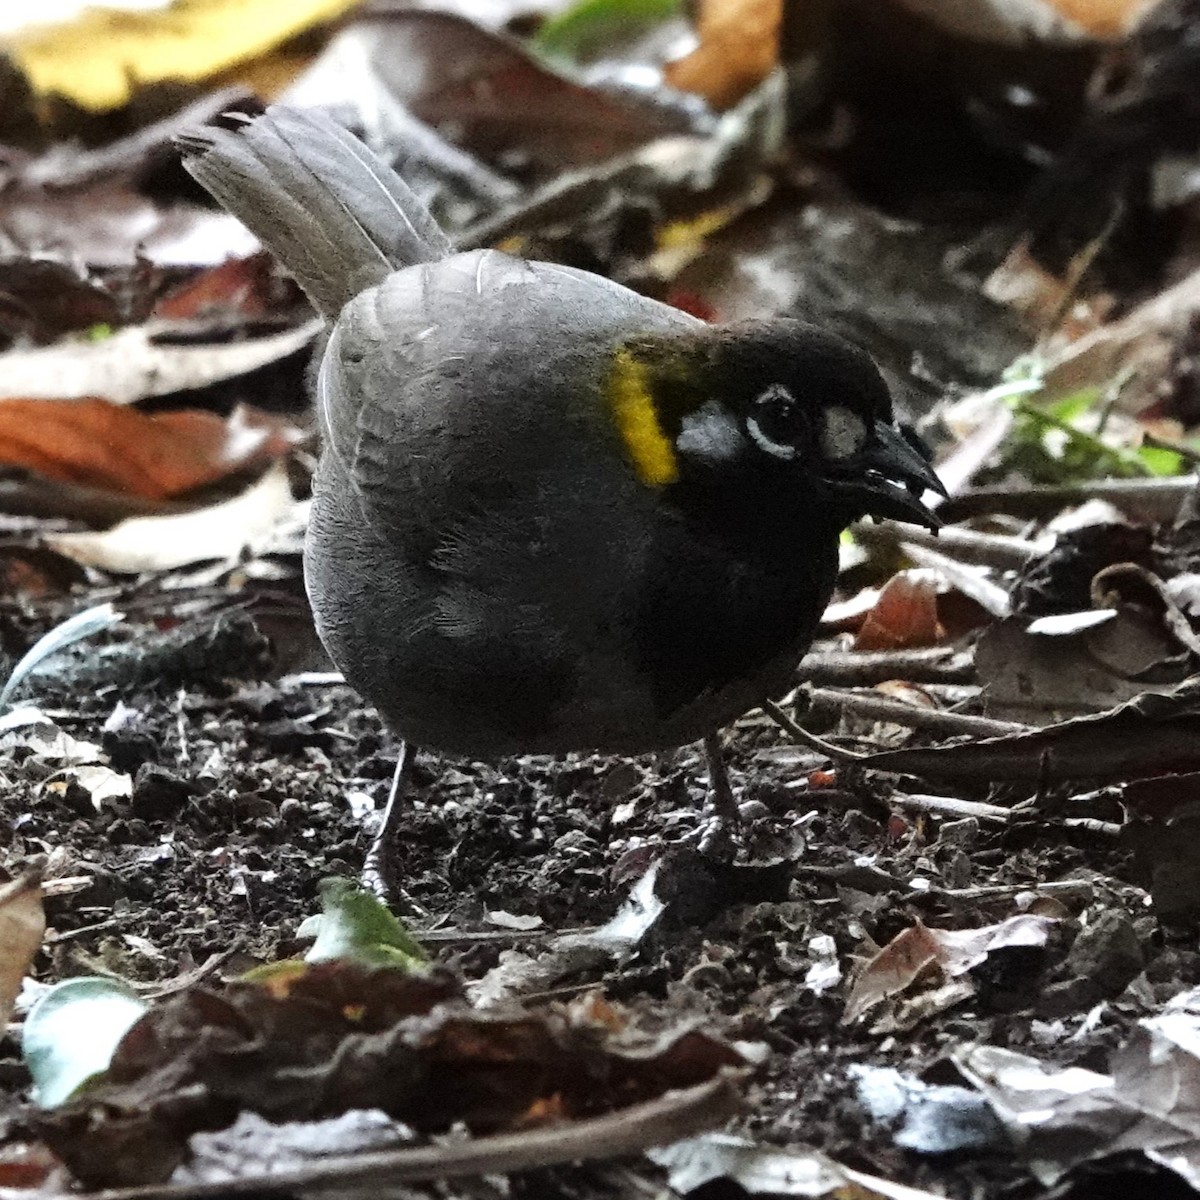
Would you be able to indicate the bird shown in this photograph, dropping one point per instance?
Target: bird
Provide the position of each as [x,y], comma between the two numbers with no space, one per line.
[551,514]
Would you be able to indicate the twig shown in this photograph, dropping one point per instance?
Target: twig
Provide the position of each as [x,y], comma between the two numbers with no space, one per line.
[1094,825]
[974,451]
[466,937]
[56,939]
[948,806]
[1061,889]
[965,545]
[912,716]
[676,1115]
[837,753]
[1156,499]
[847,668]
[1077,268]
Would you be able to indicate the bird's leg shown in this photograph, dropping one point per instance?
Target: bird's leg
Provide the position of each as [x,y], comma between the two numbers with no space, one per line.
[377,873]
[725,817]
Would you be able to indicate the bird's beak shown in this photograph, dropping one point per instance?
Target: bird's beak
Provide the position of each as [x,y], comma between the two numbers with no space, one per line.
[890,476]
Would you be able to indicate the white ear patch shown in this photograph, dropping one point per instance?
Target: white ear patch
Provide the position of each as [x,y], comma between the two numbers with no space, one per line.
[710,434]
[842,432]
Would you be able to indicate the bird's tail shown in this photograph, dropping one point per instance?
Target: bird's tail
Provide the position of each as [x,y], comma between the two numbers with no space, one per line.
[333,213]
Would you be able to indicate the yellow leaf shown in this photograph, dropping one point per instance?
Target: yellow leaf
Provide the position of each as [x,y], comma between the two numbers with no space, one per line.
[99,59]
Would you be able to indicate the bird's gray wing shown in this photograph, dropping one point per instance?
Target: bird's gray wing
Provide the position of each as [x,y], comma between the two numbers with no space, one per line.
[479,367]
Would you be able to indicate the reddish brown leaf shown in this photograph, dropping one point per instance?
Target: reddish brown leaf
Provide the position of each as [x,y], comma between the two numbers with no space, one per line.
[498,96]
[904,616]
[245,286]
[25,1165]
[155,455]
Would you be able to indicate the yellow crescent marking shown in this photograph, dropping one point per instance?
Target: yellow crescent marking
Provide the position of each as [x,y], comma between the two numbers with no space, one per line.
[636,418]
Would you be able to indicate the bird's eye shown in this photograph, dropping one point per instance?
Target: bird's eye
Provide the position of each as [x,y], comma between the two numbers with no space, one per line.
[843,433]
[776,422]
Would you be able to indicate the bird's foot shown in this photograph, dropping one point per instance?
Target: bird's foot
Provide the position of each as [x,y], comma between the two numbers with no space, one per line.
[378,875]
[724,821]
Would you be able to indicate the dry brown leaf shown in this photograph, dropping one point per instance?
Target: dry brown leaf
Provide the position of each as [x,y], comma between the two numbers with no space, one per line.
[154,455]
[102,57]
[739,48]
[895,968]
[334,1034]
[43,298]
[26,1165]
[499,97]
[904,616]
[109,223]
[246,286]
[22,924]
[940,958]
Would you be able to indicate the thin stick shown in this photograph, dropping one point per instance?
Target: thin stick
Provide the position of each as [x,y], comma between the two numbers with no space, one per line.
[849,668]
[1154,498]
[1093,825]
[947,806]
[967,545]
[913,716]
[811,740]
[628,1131]
[1059,889]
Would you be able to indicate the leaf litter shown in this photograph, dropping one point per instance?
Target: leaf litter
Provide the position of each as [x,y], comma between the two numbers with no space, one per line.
[957,961]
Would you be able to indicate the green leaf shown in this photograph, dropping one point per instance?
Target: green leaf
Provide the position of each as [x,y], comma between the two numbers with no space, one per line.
[71,1033]
[587,28]
[1159,460]
[353,924]
[1074,405]
[1049,446]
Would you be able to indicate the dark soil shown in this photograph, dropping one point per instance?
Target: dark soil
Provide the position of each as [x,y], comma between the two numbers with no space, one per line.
[240,808]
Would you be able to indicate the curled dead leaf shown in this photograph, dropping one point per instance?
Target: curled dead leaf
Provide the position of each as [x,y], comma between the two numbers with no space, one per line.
[905,615]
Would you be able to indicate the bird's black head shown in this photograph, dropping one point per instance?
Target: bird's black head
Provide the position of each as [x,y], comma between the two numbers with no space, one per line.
[769,409]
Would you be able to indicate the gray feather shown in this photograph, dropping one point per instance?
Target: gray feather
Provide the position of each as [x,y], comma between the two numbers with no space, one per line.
[334,214]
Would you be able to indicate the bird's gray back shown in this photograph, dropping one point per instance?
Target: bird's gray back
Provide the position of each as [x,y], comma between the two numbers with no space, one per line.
[478,367]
